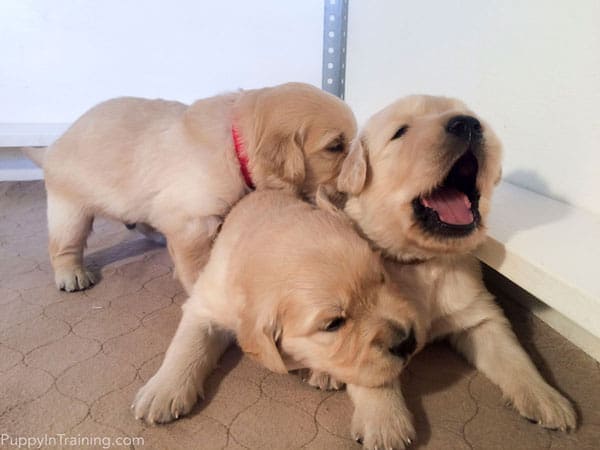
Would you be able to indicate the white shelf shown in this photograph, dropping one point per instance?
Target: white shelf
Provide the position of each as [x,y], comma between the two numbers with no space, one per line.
[30,134]
[549,248]
[14,166]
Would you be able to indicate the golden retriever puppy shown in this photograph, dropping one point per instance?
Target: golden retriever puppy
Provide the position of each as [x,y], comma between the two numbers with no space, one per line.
[179,168]
[419,180]
[298,288]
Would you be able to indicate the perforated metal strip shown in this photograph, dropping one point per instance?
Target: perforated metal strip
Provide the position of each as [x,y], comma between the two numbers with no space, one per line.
[334,46]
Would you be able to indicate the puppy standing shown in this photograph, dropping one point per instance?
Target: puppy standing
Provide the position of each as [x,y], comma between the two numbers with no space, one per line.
[419,180]
[180,168]
[299,288]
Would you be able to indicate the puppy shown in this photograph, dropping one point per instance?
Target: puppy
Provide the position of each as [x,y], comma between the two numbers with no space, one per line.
[419,180]
[299,289]
[179,168]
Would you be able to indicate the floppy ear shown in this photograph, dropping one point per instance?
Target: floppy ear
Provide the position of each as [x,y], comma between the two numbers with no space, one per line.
[353,176]
[259,341]
[285,156]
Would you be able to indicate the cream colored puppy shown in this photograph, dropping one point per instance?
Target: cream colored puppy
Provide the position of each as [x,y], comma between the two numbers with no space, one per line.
[179,168]
[419,180]
[299,289]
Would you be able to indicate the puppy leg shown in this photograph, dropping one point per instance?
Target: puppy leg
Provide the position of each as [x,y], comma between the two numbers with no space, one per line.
[189,246]
[381,418]
[68,228]
[492,347]
[191,357]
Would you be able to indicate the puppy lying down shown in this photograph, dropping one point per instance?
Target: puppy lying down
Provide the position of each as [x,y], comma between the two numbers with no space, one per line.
[419,180]
[179,168]
[298,288]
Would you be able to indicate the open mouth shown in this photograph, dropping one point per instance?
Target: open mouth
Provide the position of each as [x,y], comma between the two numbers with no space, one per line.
[452,208]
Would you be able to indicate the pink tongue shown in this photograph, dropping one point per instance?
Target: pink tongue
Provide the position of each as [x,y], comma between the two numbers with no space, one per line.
[453,207]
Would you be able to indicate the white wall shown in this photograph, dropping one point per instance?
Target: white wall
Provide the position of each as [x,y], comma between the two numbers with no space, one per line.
[532,68]
[60,57]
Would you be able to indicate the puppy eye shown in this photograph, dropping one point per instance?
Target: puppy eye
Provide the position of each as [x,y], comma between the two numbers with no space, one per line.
[335,324]
[336,147]
[403,129]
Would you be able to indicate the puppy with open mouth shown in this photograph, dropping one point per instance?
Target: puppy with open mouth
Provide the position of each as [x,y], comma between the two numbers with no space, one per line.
[298,288]
[419,180]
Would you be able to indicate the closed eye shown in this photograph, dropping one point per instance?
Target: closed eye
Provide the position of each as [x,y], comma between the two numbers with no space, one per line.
[403,129]
[335,324]
[336,146]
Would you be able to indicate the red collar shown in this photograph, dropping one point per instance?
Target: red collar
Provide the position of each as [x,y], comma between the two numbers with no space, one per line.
[242,156]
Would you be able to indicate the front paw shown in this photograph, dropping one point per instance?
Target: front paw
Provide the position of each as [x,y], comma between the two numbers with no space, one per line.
[545,406]
[383,428]
[321,380]
[73,279]
[163,400]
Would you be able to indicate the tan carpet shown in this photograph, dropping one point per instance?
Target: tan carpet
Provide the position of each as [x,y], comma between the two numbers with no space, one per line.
[71,363]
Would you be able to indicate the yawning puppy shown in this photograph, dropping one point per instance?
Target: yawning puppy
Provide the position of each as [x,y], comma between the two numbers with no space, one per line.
[299,289]
[419,180]
[179,168]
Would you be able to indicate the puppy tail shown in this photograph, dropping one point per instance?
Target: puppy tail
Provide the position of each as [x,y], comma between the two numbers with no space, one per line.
[36,154]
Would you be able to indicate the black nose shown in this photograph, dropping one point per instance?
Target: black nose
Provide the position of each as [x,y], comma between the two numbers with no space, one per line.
[404,344]
[464,127]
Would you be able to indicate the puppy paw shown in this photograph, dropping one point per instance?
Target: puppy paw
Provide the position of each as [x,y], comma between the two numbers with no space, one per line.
[545,406]
[321,380]
[383,428]
[163,400]
[74,279]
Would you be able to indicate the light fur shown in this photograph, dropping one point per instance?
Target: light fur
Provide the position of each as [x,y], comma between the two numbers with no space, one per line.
[280,271]
[382,177]
[173,166]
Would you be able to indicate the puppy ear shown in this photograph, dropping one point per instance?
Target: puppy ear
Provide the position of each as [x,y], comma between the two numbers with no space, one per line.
[353,175]
[285,156]
[259,341]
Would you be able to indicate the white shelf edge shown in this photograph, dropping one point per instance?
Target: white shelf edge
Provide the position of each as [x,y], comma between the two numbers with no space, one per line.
[554,258]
